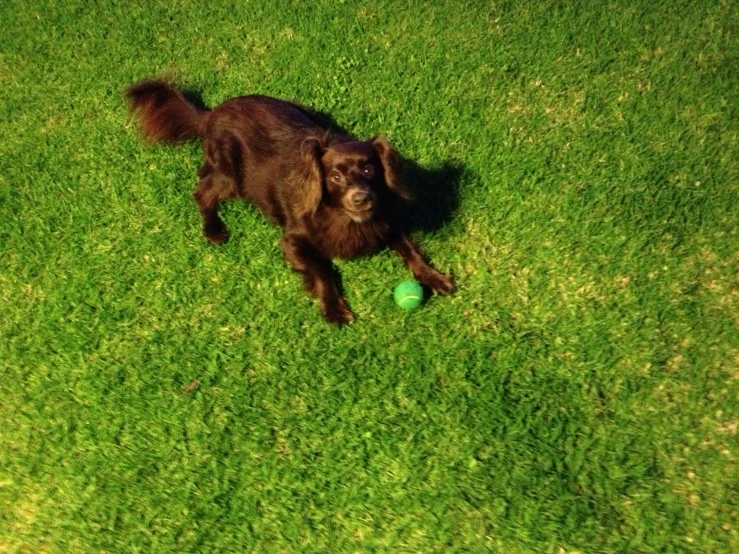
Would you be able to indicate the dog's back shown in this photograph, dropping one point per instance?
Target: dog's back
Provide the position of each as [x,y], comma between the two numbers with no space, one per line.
[257,141]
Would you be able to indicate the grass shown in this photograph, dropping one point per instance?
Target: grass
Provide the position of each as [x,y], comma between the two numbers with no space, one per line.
[577,393]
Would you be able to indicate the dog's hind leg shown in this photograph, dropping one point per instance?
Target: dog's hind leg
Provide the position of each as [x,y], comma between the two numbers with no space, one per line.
[219,177]
[213,187]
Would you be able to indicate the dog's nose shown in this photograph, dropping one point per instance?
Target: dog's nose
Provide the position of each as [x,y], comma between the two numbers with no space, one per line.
[362,198]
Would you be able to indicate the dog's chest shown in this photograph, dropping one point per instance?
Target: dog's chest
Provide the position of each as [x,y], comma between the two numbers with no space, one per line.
[346,239]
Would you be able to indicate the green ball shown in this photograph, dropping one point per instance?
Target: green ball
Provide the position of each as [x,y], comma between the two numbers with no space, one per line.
[408,295]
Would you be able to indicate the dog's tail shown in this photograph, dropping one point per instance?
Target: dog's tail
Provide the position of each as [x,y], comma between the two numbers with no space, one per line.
[164,113]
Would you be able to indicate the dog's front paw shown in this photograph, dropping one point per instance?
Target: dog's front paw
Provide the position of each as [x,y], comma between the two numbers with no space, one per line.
[337,312]
[438,282]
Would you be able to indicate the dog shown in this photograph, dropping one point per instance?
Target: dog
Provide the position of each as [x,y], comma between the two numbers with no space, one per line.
[333,196]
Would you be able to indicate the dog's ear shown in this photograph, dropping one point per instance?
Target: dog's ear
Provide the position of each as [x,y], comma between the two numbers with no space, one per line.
[308,177]
[392,166]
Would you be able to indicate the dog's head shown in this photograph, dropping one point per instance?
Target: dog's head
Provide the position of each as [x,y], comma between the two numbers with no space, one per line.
[352,176]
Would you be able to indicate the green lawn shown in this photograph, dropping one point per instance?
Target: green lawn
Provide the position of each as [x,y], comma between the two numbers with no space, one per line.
[579,392]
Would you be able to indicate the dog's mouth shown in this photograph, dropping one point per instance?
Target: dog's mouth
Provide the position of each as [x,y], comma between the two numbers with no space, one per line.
[361,216]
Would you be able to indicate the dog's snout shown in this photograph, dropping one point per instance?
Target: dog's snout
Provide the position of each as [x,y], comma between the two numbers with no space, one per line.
[362,198]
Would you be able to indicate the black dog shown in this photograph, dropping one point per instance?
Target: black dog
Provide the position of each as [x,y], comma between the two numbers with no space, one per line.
[334,196]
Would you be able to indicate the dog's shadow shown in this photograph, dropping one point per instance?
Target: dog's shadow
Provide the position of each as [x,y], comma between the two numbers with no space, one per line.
[195,97]
[435,195]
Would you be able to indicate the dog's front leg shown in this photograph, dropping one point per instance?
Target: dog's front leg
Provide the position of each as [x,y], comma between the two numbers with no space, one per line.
[318,276]
[412,257]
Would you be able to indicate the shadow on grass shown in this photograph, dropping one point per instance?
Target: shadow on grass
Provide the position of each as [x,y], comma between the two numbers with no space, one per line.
[195,97]
[436,195]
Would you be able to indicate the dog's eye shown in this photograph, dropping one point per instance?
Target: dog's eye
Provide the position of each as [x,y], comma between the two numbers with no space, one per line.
[336,177]
[369,171]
